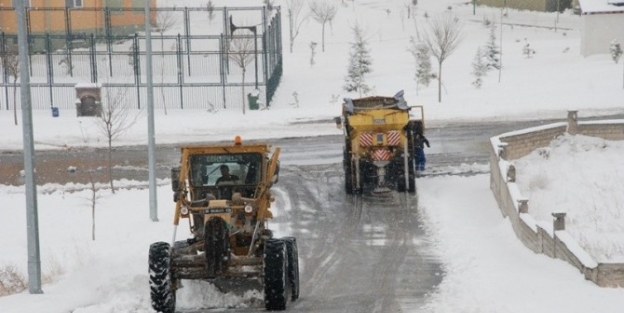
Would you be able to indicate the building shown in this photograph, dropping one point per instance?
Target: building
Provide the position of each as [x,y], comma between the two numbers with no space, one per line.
[530,5]
[61,17]
[602,21]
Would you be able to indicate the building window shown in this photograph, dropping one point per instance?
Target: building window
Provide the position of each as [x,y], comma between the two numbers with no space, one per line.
[73,4]
[137,4]
[26,3]
[117,4]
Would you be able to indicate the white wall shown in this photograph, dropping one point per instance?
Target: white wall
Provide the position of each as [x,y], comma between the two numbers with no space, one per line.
[597,31]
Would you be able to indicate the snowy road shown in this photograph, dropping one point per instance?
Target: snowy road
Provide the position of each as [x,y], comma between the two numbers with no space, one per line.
[359,254]
[451,145]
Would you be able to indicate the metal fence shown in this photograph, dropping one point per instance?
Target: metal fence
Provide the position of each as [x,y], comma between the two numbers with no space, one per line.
[197,69]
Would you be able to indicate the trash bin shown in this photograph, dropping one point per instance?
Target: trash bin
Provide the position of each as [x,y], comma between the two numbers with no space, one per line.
[252,99]
[55,112]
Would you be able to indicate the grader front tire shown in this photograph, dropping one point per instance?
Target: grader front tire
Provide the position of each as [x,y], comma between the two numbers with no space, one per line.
[161,282]
[275,275]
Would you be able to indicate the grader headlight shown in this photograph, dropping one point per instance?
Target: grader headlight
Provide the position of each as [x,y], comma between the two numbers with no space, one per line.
[184,210]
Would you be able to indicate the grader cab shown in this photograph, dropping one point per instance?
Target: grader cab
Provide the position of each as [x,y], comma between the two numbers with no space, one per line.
[227,218]
[379,143]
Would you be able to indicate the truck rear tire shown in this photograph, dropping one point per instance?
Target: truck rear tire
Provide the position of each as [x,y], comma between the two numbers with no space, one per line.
[348,179]
[161,279]
[275,275]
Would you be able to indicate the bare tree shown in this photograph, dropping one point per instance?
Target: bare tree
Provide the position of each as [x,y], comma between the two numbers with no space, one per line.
[443,37]
[114,121]
[10,63]
[294,15]
[93,200]
[164,22]
[323,12]
[242,53]
[210,7]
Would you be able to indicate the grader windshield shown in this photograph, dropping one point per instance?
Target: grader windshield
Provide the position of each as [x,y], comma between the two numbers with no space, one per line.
[232,169]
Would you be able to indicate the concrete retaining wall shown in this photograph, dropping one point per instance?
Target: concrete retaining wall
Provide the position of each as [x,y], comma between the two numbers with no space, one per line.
[551,240]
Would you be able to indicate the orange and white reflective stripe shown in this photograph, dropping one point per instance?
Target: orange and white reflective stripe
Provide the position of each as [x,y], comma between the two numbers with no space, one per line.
[381,155]
[366,140]
[394,138]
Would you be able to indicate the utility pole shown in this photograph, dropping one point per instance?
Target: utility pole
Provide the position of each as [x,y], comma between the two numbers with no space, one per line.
[32,217]
[557,18]
[474,7]
[151,151]
[500,60]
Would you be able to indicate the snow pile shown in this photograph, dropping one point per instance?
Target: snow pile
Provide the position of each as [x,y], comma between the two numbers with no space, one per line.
[582,176]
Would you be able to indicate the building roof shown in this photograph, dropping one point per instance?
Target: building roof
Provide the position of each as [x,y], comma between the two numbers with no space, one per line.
[601,6]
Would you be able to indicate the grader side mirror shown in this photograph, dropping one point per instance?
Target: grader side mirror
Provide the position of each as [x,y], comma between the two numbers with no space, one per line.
[175,178]
[276,175]
[338,121]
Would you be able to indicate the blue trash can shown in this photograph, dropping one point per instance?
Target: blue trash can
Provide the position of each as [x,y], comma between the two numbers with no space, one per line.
[55,112]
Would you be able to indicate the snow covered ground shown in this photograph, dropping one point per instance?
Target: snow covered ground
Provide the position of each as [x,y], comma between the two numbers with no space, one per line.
[487,269]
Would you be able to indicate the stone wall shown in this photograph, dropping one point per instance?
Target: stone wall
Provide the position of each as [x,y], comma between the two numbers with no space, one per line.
[551,240]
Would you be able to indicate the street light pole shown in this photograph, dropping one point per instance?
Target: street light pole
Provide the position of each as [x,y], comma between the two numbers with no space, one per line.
[151,136]
[32,218]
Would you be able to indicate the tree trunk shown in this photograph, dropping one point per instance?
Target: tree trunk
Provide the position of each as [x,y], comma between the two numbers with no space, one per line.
[440,81]
[15,101]
[243,88]
[110,163]
[290,22]
[93,200]
[323,37]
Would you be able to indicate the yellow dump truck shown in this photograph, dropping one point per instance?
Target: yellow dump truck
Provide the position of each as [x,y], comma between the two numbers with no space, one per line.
[379,143]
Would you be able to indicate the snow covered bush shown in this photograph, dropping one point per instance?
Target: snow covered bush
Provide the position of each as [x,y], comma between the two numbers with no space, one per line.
[616,50]
[359,63]
[11,280]
[527,50]
[479,69]
[422,57]
[492,51]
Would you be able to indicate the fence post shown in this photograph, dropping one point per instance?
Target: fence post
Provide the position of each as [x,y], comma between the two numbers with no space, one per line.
[187,33]
[29,40]
[572,128]
[222,61]
[137,69]
[5,76]
[226,27]
[264,52]
[255,31]
[558,224]
[68,41]
[109,44]
[93,60]
[50,67]
[180,70]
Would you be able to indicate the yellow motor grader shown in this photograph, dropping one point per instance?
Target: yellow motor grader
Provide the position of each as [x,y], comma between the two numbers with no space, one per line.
[223,192]
[379,143]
